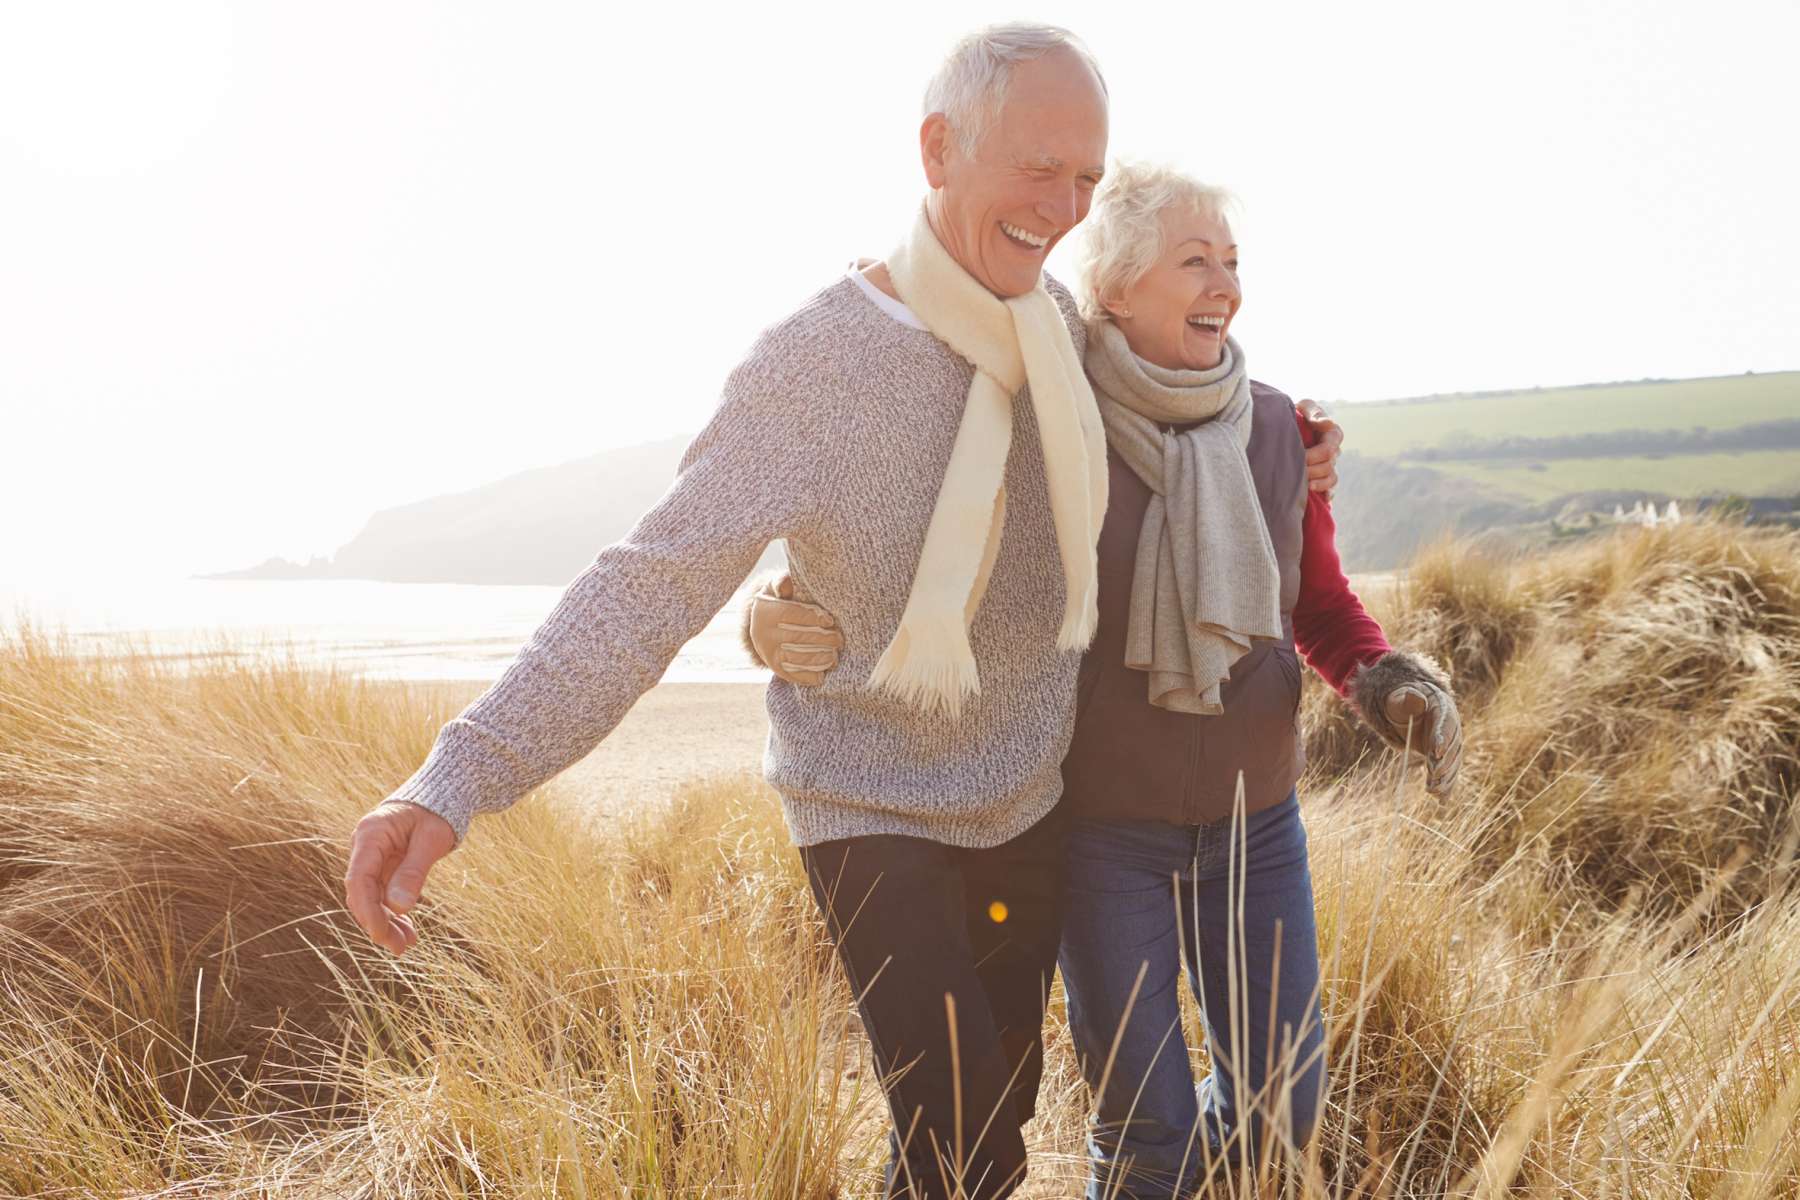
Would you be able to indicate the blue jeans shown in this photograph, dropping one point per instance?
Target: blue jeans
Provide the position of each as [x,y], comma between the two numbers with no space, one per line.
[1136,891]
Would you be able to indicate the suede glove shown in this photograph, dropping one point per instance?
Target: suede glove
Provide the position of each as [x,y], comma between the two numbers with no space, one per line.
[797,641]
[1401,695]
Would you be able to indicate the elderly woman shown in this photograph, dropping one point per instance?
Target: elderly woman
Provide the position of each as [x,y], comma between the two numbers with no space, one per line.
[1217,567]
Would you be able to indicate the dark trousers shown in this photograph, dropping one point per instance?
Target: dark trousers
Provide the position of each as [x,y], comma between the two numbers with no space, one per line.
[925,930]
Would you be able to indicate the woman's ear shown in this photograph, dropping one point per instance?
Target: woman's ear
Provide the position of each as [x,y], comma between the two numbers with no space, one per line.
[1114,304]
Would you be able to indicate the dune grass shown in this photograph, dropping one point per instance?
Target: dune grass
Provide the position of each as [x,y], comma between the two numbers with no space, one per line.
[1579,977]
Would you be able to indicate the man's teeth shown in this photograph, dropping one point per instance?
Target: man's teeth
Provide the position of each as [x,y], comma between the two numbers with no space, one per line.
[1212,323]
[1030,239]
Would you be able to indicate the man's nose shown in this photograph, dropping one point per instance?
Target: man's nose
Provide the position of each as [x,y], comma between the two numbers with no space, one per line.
[1058,206]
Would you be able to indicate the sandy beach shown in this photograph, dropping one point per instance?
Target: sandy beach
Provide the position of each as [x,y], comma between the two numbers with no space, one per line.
[676,732]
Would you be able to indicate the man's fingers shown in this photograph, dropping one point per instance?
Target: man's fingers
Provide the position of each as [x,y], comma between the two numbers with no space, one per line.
[402,935]
[1321,469]
[425,844]
[390,853]
[363,881]
[1321,456]
[783,587]
[803,678]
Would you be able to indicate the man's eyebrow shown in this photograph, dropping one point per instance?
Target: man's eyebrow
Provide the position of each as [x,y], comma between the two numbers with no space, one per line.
[1051,162]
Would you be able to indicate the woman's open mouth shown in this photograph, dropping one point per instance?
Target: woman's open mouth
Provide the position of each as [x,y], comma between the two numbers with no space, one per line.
[1210,325]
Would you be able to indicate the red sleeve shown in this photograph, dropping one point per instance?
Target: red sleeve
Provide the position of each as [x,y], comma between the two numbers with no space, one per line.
[1332,629]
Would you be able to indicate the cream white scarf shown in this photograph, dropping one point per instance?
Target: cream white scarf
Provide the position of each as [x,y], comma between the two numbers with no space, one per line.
[1011,342]
[1205,586]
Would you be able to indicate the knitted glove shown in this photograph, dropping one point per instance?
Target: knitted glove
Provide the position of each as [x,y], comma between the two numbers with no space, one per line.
[1401,691]
[796,640]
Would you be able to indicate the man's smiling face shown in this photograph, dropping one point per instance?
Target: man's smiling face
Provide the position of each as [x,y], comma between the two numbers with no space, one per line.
[1001,210]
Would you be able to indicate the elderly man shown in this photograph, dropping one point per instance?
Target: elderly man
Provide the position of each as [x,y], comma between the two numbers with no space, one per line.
[921,434]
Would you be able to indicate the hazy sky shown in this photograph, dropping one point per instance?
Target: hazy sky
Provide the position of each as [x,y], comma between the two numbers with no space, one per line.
[265,268]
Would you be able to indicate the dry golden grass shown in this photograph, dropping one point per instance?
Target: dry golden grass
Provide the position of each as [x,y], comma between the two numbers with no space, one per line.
[1580,977]
[1634,706]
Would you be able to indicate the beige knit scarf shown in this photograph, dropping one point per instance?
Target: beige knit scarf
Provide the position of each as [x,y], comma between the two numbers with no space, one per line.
[1205,586]
[1011,342]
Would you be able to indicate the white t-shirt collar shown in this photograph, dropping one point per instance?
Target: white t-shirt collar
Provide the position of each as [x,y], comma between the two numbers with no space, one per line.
[885,302]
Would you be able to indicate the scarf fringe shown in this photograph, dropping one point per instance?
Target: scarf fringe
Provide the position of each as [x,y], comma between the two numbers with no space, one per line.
[929,666]
[1081,620]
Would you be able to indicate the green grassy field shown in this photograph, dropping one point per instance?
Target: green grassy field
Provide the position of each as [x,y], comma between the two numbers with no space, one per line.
[1386,428]
[1750,473]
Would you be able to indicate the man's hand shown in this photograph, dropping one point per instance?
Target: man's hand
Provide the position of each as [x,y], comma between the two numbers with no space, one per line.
[796,640]
[391,852]
[1322,455]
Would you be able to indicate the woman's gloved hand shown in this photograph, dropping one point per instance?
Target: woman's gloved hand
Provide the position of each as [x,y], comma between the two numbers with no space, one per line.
[1407,696]
[796,640]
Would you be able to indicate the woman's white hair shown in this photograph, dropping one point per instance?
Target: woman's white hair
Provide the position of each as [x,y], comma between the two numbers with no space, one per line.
[970,86]
[1124,226]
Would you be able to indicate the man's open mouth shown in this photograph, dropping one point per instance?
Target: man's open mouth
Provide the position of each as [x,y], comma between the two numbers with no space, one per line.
[1023,238]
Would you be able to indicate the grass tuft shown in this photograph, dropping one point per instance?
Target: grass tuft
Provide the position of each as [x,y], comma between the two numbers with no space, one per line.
[1580,976]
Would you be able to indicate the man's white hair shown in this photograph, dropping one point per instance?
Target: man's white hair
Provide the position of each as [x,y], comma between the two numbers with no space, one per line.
[1124,227]
[970,85]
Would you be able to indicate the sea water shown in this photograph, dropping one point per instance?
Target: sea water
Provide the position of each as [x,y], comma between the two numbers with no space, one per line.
[422,631]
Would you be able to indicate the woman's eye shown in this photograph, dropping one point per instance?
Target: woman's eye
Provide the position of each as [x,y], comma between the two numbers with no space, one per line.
[1195,262]
[1232,265]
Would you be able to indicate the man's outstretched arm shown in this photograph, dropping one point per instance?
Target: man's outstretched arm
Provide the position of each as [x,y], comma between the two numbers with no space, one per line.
[750,477]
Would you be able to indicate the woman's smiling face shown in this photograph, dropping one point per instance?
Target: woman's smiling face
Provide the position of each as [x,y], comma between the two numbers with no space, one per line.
[1177,314]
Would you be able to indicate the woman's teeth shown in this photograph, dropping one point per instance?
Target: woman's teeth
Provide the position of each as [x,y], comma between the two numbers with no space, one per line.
[1019,235]
[1209,324]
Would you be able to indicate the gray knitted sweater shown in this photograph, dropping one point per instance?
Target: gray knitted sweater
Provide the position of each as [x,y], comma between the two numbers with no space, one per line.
[833,433]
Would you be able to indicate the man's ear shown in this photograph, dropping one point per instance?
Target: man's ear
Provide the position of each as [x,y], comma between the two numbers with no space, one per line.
[935,148]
